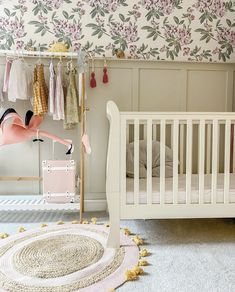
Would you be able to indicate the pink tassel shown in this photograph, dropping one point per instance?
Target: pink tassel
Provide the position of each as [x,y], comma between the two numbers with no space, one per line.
[93,81]
[105,76]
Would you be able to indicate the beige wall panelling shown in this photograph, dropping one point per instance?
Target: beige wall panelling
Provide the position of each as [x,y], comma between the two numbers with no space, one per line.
[161,89]
[120,90]
[210,89]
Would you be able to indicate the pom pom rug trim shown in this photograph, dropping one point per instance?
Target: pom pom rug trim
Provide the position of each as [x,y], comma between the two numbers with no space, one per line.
[68,257]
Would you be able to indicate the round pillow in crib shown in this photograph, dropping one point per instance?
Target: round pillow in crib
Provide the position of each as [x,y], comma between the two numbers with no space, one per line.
[143,159]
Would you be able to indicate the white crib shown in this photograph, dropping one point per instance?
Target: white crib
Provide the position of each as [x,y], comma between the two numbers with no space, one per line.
[203,182]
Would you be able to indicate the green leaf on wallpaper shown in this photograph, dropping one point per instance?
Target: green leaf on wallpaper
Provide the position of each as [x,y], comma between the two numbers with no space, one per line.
[176,19]
[7,11]
[229,23]
[95,32]
[122,17]
[66,15]
[34,22]
[39,29]
[53,15]
[92,25]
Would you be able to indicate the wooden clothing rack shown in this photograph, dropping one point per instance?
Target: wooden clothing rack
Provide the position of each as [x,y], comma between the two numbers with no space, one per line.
[40,206]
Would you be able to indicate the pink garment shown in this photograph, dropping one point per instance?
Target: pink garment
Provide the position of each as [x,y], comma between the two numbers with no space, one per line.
[86,143]
[51,101]
[59,95]
[6,76]
[15,131]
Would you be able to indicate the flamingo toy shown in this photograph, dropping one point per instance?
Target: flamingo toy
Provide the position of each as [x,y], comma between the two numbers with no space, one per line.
[14,130]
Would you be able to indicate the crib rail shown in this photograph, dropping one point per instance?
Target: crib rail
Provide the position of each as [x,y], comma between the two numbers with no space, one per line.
[202,147]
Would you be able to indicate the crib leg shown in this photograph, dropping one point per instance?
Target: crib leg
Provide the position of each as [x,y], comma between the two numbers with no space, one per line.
[114,218]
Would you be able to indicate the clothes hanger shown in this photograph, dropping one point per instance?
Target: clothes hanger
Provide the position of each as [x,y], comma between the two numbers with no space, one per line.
[70,64]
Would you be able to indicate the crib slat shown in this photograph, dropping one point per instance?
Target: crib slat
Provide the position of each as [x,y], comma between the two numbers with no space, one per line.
[227,160]
[127,133]
[208,149]
[145,131]
[136,161]
[154,132]
[181,148]
[233,148]
[214,161]
[124,133]
[162,160]
[149,161]
[201,164]
[189,161]
[175,148]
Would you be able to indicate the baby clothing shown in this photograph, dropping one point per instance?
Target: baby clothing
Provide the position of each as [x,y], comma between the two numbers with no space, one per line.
[6,76]
[86,143]
[1,86]
[20,81]
[72,110]
[40,102]
[59,95]
[51,102]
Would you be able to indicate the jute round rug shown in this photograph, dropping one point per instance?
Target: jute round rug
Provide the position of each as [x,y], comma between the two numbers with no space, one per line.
[65,258]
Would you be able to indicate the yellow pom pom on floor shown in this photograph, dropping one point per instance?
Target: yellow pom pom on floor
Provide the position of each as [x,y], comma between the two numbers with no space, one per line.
[21,229]
[144,253]
[4,235]
[60,222]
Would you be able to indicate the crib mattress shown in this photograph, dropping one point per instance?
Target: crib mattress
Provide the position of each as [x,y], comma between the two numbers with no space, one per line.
[182,190]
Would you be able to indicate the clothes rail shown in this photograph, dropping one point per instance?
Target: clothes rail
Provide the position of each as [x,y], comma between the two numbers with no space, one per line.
[25,53]
[83,63]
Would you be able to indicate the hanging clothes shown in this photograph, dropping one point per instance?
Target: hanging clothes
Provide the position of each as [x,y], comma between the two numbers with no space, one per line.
[40,102]
[20,81]
[59,95]
[6,75]
[72,109]
[1,87]
[51,102]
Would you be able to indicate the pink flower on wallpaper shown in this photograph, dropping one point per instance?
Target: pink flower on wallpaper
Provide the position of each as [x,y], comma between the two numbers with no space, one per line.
[14,27]
[70,29]
[19,45]
[227,35]
[127,31]
[214,7]
[165,6]
[180,34]
[54,4]
[186,51]
[110,5]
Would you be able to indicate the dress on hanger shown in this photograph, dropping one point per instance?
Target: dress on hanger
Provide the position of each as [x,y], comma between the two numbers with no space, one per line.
[20,81]
[6,76]
[1,87]
[40,102]
[51,102]
[72,110]
[59,95]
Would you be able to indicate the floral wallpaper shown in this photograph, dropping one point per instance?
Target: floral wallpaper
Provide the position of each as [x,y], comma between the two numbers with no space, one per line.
[182,30]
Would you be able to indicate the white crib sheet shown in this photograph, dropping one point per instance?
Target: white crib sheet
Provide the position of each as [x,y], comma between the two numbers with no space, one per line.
[182,189]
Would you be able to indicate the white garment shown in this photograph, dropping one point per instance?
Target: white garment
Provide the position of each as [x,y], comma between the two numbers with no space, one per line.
[51,101]
[1,84]
[20,82]
[59,95]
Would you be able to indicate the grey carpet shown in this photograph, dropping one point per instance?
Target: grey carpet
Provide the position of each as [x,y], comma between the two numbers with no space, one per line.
[195,255]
